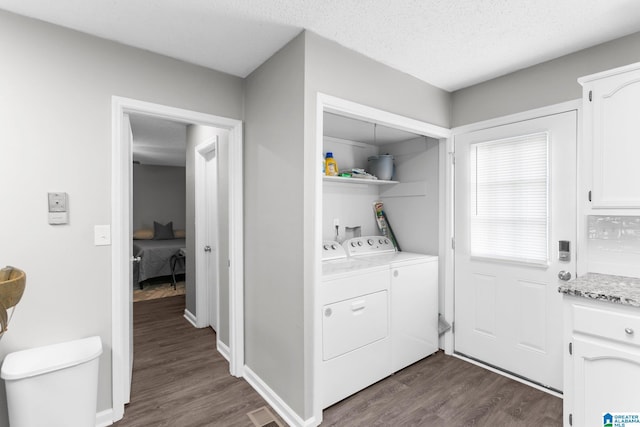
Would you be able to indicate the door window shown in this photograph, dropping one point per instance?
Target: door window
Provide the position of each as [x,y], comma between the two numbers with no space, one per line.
[509,218]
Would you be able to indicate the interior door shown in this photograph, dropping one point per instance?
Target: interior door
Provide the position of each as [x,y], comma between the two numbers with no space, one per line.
[206,219]
[127,135]
[515,200]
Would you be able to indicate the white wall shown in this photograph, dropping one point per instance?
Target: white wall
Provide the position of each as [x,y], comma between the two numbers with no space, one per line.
[56,87]
[545,84]
[158,195]
[413,208]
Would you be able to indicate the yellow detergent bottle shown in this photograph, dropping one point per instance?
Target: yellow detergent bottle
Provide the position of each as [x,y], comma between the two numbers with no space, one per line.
[331,167]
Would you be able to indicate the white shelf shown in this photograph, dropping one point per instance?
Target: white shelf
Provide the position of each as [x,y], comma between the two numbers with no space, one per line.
[344,180]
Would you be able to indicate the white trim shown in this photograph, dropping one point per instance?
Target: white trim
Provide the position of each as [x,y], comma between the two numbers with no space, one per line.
[445,261]
[223,349]
[104,418]
[191,318]
[608,73]
[354,110]
[286,413]
[121,236]
[549,110]
[508,375]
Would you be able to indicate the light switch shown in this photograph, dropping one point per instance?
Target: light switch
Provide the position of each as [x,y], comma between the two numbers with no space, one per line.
[102,235]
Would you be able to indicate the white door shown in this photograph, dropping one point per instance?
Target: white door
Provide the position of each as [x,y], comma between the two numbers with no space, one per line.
[127,136]
[515,200]
[206,234]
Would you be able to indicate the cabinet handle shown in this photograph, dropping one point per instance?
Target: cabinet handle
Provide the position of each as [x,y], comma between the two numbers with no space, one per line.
[628,331]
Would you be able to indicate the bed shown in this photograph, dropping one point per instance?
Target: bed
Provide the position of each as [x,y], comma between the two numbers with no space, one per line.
[154,258]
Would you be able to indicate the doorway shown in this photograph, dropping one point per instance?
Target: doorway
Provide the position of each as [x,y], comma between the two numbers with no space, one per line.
[515,214]
[122,234]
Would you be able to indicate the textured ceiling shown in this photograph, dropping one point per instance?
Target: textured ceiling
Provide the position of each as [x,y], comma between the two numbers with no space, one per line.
[448,43]
[158,141]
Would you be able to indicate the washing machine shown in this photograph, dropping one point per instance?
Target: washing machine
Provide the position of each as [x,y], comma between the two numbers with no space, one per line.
[413,296]
[356,331]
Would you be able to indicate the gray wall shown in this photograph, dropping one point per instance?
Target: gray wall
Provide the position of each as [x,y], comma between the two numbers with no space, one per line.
[56,87]
[273,206]
[545,84]
[158,195]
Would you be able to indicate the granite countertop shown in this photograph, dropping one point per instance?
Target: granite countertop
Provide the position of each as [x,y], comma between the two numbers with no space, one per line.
[618,289]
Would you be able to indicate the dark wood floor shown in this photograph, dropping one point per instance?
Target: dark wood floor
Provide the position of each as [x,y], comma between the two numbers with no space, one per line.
[445,391]
[179,380]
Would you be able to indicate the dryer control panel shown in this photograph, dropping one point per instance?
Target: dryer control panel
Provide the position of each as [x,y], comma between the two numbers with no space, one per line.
[368,245]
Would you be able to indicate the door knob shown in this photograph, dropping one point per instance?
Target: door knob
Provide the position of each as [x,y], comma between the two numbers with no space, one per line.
[207,248]
[564,275]
[136,259]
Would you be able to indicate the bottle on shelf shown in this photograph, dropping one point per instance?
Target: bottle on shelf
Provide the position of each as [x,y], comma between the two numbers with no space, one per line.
[331,166]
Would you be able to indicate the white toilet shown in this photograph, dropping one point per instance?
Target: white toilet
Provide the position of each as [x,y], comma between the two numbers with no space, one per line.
[55,385]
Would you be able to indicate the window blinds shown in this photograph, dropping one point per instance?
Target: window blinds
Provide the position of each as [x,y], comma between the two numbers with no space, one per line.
[509,199]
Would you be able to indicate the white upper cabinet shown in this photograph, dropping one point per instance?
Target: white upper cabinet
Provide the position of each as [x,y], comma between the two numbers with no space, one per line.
[611,156]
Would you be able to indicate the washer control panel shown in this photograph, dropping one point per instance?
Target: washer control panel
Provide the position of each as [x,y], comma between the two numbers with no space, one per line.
[368,245]
[332,250]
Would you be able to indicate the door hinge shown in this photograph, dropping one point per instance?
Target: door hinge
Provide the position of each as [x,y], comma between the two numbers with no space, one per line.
[453,327]
[570,419]
[453,157]
[453,243]
[589,195]
[228,263]
[590,95]
[570,348]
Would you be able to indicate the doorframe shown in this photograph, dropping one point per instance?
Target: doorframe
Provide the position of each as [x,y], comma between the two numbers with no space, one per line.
[203,302]
[121,170]
[343,107]
[563,107]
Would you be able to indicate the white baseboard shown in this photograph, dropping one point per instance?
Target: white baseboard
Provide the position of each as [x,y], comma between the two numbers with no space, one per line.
[223,349]
[287,414]
[190,318]
[104,418]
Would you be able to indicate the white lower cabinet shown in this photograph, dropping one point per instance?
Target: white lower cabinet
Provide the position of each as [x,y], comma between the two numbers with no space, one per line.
[602,362]
[414,312]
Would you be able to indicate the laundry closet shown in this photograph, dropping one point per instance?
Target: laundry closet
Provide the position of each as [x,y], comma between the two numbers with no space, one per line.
[410,198]
[378,298]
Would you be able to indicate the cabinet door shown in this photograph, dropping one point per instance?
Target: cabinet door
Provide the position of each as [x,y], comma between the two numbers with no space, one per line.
[606,377]
[615,127]
[414,313]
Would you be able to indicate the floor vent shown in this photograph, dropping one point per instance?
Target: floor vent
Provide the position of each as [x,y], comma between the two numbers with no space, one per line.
[263,417]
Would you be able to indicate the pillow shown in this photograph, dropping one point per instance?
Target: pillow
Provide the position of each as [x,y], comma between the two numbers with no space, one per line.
[144,234]
[162,232]
[179,234]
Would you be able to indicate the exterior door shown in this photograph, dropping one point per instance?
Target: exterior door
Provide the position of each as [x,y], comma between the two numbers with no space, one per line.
[515,202]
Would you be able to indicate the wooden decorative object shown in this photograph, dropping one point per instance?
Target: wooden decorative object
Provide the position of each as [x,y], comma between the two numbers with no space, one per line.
[12,284]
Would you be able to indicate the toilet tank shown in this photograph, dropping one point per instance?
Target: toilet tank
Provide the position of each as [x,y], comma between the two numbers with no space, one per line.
[54,385]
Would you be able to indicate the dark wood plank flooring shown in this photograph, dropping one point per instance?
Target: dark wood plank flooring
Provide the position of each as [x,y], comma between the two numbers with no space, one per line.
[445,391]
[180,380]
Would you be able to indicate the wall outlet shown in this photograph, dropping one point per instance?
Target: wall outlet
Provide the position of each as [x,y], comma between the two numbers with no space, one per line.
[336,222]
